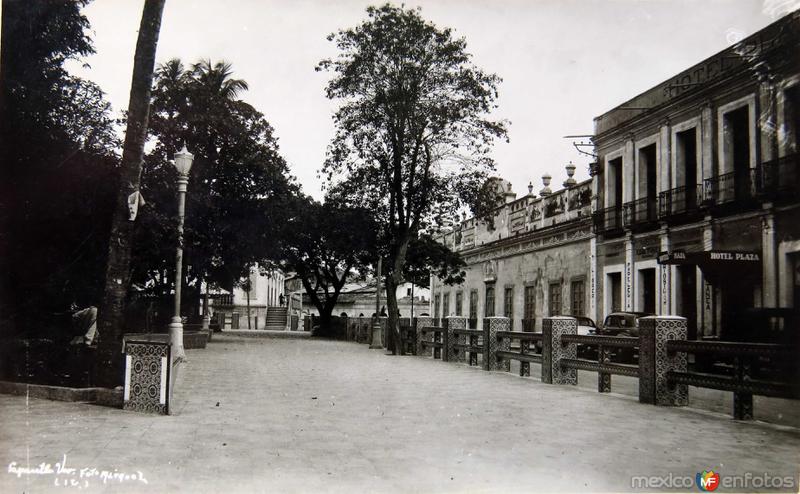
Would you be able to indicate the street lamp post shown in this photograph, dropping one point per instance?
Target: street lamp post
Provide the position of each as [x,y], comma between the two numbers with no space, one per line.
[376,327]
[183,163]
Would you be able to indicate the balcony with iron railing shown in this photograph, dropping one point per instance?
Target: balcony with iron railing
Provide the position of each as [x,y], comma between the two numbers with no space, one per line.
[779,179]
[608,221]
[221,299]
[680,202]
[734,189]
[640,214]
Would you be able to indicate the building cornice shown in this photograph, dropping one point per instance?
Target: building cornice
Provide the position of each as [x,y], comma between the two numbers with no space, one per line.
[558,235]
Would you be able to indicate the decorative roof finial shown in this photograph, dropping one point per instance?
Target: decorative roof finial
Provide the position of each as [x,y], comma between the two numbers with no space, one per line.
[569,182]
[546,178]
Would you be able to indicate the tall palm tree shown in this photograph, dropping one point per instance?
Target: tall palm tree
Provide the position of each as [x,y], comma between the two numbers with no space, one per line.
[119,252]
[215,79]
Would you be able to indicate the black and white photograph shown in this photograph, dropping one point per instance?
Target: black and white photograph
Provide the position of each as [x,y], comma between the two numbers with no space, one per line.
[423,246]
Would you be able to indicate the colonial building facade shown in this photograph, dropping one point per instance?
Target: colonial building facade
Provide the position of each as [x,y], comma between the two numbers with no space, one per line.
[358,300]
[693,208]
[696,186]
[249,309]
[528,260]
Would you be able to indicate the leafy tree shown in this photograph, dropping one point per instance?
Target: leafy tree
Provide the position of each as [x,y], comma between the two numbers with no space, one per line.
[58,172]
[426,256]
[327,245]
[238,187]
[413,134]
[111,314]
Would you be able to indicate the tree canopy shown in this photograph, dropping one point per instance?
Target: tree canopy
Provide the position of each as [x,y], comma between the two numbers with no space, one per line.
[239,184]
[59,166]
[328,245]
[413,128]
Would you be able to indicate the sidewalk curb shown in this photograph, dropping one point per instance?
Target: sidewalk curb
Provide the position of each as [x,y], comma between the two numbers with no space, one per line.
[96,396]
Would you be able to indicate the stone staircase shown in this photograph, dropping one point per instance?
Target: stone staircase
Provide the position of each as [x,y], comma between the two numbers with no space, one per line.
[276,319]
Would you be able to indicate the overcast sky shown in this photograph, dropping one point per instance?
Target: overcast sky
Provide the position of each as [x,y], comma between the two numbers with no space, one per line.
[562,62]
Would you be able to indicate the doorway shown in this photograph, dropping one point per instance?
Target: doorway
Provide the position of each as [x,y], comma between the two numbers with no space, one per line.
[686,171]
[614,285]
[737,137]
[647,282]
[736,297]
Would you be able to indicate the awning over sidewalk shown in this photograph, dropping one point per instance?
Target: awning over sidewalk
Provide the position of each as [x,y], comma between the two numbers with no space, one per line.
[717,264]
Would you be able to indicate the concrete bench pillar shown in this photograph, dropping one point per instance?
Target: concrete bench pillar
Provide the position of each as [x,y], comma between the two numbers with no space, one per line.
[655,361]
[423,322]
[453,323]
[491,325]
[553,350]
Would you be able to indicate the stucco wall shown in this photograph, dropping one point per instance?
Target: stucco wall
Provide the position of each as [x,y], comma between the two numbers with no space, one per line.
[563,262]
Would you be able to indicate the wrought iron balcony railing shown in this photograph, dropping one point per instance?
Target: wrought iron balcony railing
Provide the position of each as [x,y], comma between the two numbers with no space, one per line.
[221,299]
[679,201]
[608,220]
[639,212]
[775,180]
[733,187]
[780,179]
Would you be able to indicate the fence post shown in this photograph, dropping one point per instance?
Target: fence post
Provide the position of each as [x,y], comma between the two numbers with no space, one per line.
[603,378]
[524,367]
[491,325]
[453,323]
[553,350]
[655,361]
[350,327]
[742,402]
[423,322]
[412,324]
[447,343]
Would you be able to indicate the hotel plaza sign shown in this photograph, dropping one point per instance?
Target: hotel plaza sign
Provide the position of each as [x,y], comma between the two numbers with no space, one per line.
[709,257]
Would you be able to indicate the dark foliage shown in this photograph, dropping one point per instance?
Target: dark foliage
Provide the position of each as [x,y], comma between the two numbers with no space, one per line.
[59,171]
[239,186]
[328,245]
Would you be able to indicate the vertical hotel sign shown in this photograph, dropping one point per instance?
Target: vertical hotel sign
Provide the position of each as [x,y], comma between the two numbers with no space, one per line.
[593,277]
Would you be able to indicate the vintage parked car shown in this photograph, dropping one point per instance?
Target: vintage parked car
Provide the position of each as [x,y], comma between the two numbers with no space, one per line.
[586,327]
[623,324]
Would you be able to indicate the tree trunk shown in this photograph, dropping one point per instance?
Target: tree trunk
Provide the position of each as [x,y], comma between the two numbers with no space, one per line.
[111,319]
[248,307]
[325,317]
[392,282]
[393,343]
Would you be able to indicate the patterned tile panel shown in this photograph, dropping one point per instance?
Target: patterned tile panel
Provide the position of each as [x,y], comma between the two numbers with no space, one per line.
[423,322]
[560,326]
[491,326]
[453,323]
[147,374]
[658,330]
[547,351]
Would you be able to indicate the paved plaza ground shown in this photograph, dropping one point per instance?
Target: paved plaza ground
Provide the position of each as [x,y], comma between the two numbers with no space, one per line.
[289,415]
